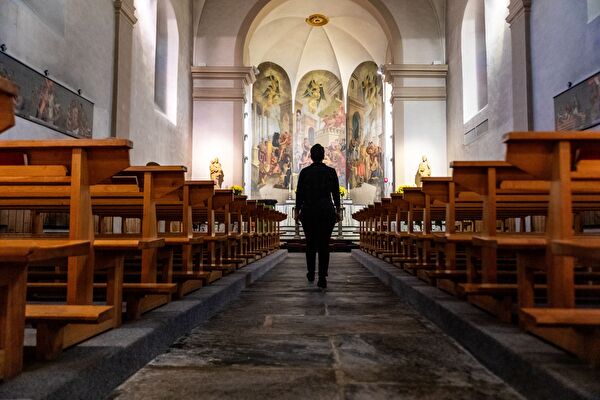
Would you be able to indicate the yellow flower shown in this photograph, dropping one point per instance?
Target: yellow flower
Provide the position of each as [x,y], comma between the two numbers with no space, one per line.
[237,189]
[401,188]
[343,192]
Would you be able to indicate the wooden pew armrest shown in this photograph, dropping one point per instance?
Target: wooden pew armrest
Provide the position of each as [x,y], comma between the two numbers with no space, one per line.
[562,316]
[65,313]
[127,243]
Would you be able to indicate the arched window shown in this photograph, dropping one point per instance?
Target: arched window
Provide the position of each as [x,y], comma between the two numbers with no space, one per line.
[167,59]
[474,59]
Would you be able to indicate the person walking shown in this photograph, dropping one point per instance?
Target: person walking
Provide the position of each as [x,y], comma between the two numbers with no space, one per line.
[318,209]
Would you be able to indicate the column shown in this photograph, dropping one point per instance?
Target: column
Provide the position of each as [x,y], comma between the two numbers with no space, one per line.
[219,95]
[124,22]
[419,118]
[519,16]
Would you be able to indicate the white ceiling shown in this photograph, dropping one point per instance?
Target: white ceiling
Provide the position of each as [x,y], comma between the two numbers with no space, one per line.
[351,37]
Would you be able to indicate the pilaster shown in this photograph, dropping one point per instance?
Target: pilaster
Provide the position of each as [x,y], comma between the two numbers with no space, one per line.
[412,83]
[219,95]
[519,17]
[125,21]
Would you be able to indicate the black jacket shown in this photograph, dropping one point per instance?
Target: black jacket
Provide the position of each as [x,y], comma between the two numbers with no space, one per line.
[318,191]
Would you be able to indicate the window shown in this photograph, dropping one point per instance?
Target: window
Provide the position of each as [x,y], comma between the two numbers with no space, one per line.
[474,59]
[167,60]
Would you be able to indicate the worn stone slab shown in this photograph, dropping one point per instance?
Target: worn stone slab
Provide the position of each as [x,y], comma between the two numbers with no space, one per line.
[285,339]
[232,383]
[535,368]
[92,369]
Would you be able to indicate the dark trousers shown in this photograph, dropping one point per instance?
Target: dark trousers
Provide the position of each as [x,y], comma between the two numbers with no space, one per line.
[317,232]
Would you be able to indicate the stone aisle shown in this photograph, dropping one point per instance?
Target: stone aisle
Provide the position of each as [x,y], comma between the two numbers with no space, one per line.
[286,339]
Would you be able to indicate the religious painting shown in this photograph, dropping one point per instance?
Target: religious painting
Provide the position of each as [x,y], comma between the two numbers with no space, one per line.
[272,133]
[320,118]
[46,102]
[578,108]
[365,134]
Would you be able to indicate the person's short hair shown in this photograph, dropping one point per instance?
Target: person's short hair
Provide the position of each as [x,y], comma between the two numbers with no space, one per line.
[317,153]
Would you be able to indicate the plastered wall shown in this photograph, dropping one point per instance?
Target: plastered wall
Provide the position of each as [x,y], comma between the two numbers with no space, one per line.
[498,112]
[74,40]
[565,48]
[155,138]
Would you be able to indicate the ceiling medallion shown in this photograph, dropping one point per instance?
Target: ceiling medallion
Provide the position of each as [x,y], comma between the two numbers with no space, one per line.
[317,20]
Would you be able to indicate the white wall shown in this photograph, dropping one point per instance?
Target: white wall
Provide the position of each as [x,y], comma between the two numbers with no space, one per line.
[565,48]
[424,135]
[155,137]
[73,40]
[498,112]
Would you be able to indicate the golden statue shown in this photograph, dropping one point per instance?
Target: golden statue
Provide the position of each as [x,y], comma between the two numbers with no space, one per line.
[424,170]
[216,172]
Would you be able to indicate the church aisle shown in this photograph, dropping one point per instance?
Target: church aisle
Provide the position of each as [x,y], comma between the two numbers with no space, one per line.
[285,339]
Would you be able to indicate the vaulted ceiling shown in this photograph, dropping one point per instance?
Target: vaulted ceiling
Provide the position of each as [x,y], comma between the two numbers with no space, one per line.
[351,36]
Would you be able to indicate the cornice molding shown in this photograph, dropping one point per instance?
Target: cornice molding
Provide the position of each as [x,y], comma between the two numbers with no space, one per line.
[516,8]
[219,94]
[126,8]
[392,71]
[244,74]
[418,93]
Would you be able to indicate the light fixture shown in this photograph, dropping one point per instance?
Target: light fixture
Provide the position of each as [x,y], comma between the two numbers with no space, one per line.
[317,20]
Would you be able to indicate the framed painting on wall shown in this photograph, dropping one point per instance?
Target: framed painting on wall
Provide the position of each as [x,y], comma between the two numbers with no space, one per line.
[46,102]
[578,108]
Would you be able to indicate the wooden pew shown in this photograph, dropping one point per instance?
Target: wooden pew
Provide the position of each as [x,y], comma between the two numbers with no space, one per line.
[179,207]
[568,160]
[241,210]
[222,202]
[15,255]
[8,92]
[213,244]
[33,184]
[153,287]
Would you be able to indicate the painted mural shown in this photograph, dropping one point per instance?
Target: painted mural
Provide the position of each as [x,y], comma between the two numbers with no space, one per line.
[365,134]
[46,102]
[272,133]
[320,118]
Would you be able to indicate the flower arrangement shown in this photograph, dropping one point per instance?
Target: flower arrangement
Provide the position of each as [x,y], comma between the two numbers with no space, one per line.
[401,188]
[343,192]
[237,190]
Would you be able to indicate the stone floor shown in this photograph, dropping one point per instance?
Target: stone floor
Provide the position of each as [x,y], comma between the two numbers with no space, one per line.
[286,339]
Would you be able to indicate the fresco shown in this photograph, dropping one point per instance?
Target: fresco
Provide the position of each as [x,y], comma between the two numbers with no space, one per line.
[272,133]
[46,102]
[320,118]
[578,108]
[365,134]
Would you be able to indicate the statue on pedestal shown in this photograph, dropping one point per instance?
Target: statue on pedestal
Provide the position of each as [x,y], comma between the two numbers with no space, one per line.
[216,172]
[424,170]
